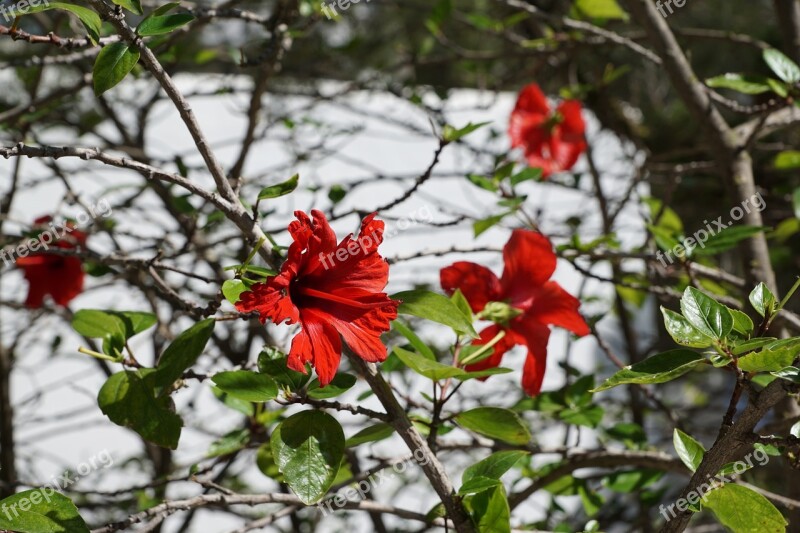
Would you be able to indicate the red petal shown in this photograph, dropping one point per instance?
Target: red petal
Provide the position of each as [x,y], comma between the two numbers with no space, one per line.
[271,300]
[67,283]
[572,125]
[499,349]
[325,343]
[478,283]
[300,353]
[531,99]
[360,325]
[556,306]
[526,130]
[536,336]
[529,263]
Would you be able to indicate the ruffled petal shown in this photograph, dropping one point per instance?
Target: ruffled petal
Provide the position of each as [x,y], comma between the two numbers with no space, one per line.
[325,343]
[272,301]
[529,263]
[553,305]
[478,284]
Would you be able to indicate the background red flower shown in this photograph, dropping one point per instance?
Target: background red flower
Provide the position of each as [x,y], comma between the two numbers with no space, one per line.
[551,141]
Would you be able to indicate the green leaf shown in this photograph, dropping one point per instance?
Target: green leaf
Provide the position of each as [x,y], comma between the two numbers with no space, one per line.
[131,399]
[589,417]
[682,332]
[497,423]
[340,384]
[743,510]
[657,369]
[40,511]
[461,302]
[494,466]
[627,482]
[415,341]
[751,345]
[741,322]
[483,182]
[478,374]
[90,20]
[232,289]
[689,450]
[726,239]
[601,9]
[787,160]
[426,367]
[113,63]
[436,307]
[266,463]
[308,448]
[273,363]
[478,484]
[591,500]
[527,174]
[134,6]
[246,385]
[451,134]
[783,67]
[183,352]
[706,314]
[281,189]
[790,373]
[161,25]
[374,433]
[490,511]
[742,83]
[768,360]
[480,226]
[230,443]
[762,300]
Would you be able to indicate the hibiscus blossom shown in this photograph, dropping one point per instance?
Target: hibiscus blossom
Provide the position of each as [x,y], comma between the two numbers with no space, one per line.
[523,303]
[59,276]
[334,291]
[552,141]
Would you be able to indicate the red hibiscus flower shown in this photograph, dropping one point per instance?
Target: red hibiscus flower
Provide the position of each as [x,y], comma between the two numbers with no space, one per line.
[523,303]
[552,141]
[59,276]
[333,290]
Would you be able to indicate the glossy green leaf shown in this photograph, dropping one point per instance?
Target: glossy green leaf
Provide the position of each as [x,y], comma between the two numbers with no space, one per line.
[790,373]
[281,189]
[706,314]
[232,289]
[90,20]
[164,24]
[246,385]
[743,510]
[113,63]
[657,369]
[494,466]
[742,83]
[741,322]
[340,384]
[40,510]
[134,6]
[414,339]
[435,307]
[490,511]
[689,450]
[374,433]
[783,67]
[768,360]
[763,300]
[308,448]
[682,332]
[183,352]
[497,423]
[132,399]
[426,367]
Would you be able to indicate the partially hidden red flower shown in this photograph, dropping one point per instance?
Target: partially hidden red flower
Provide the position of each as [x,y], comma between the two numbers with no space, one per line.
[523,302]
[334,291]
[59,276]
[552,141]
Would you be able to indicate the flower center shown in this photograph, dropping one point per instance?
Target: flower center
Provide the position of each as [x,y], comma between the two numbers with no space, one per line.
[300,290]
[554,120]
[499,312]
